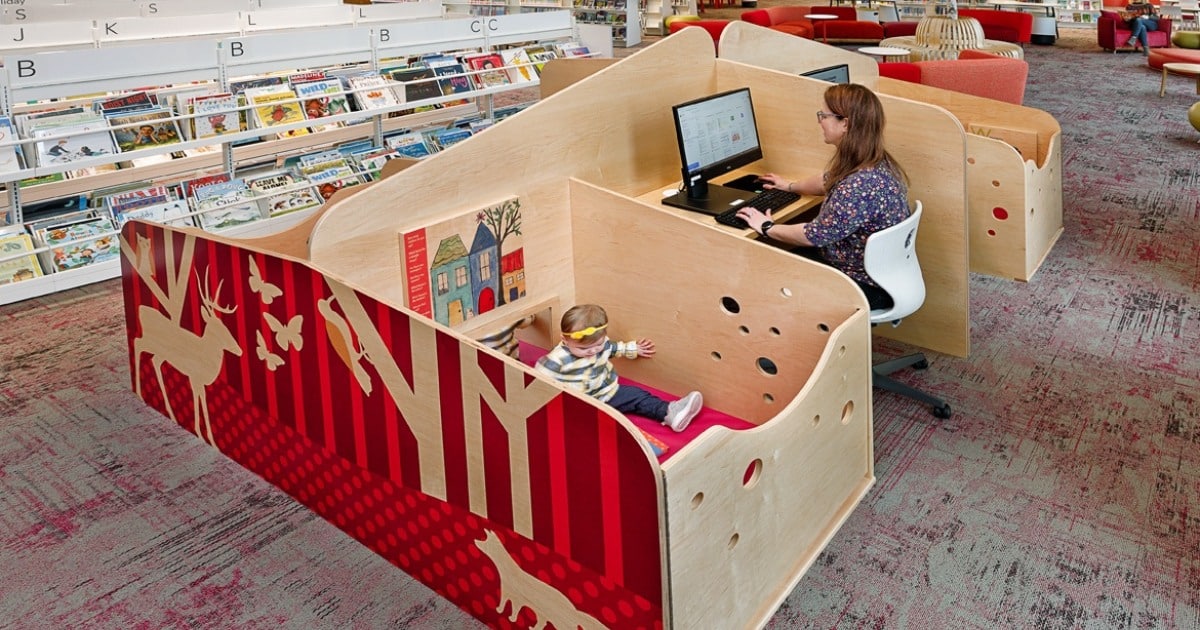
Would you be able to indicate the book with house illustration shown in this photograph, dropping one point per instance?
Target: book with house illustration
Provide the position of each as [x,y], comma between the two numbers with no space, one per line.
[467,265]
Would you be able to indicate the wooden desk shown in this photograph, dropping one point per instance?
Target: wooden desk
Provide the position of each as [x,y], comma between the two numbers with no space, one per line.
[806,203]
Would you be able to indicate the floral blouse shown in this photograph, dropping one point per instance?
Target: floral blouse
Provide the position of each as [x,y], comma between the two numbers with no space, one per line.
[863,203]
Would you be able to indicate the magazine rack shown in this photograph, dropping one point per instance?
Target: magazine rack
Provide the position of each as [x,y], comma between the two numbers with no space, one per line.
[515,498]
[1014,156]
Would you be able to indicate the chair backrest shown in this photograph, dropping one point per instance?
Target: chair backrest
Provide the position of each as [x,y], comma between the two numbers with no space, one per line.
[890,258]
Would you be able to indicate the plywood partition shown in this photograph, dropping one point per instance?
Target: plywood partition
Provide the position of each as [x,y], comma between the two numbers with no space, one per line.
[761,46]
[598,130]
[930,145]
[725,311]
[1014,177]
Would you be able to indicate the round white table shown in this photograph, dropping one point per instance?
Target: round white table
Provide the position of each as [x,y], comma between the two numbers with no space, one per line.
[1185,69]
[883,52]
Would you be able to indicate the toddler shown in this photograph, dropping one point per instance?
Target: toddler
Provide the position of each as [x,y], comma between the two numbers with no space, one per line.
[581,362]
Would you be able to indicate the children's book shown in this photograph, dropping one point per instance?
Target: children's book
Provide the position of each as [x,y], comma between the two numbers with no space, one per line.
[493,66]
[372,92]
[275,106]
[412,144]
[132,102]
[174,212]
[86,140]
[539,55]
[143,130]
[419,83]
[226,204]
[444,138]
[15,267]
[321,99]
[281,192]
[214,115]
[190,186]
[10,156]
[453,79]
[517,64]
[76,245]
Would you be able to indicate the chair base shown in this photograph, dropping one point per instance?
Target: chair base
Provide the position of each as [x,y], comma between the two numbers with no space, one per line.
[880,379]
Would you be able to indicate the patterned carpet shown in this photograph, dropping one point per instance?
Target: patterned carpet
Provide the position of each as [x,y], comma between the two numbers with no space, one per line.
[1063,494]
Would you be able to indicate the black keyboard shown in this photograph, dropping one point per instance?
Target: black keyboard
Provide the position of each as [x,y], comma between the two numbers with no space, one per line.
[772,199]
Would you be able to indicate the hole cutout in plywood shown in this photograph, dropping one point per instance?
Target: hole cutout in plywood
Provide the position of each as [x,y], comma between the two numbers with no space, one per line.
[733,540]
[785,292]
[774,331]
[716,355]
[841,351]
[970,160]
[816,420]
[744,330]
[995,183]
[823,327]
[752,474]
[767,366]
[697,500]
[768,398]
[991,232]
[730,305]
[848,412]
[1000,213]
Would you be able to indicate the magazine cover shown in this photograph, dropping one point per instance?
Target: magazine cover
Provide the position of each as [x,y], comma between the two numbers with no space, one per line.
[144,130]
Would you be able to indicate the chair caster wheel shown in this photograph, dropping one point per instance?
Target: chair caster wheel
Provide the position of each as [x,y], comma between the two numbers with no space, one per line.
[921,365]
[942,412]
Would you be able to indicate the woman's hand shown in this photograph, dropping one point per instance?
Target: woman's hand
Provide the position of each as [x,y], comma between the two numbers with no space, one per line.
[771,180]
[753,217]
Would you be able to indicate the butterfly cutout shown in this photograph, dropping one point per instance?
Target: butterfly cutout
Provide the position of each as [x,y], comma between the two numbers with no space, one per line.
[267,290]
[273,360]
[286,334]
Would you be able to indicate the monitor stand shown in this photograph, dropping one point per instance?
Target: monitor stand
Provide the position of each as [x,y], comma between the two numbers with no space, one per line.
[717,200]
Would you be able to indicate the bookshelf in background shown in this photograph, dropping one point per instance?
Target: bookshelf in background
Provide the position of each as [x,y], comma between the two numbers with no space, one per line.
[265,192]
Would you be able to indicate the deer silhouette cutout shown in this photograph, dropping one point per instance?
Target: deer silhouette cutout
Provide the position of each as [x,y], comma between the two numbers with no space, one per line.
[199,357]
[526,591]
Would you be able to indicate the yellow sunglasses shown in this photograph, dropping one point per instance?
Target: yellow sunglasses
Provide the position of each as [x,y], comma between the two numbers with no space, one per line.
[586,332]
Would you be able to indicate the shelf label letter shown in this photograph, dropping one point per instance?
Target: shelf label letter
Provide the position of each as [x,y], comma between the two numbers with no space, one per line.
[153,7]
[21,31]
[108,28]
[25,68]
[476,26]
[385,35]
[236,49]
[20,13]
[492,25]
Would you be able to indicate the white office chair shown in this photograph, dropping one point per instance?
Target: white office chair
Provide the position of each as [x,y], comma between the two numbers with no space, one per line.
[890,259]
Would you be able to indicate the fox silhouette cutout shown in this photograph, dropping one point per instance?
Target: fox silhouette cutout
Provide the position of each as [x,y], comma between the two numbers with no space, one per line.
[526,591]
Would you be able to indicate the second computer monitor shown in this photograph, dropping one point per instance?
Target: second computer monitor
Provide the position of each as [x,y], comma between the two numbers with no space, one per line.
[833,74]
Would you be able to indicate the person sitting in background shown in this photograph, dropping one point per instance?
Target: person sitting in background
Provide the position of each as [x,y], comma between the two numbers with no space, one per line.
[865,190]
[1140,18]
[582,362]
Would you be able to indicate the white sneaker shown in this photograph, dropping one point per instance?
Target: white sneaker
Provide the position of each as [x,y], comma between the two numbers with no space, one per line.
[681,412]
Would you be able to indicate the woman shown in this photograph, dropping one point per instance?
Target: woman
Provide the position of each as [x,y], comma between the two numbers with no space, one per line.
[1141,19]
[865,189]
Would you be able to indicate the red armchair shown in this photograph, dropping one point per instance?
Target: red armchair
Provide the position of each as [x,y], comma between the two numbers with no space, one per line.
[974,72]
[1112,33]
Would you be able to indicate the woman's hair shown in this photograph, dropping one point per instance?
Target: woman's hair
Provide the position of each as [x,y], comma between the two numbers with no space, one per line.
[584,316]
[862,146]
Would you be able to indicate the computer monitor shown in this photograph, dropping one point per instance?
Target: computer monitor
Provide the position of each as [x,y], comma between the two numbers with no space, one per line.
[833,74]
[716,134]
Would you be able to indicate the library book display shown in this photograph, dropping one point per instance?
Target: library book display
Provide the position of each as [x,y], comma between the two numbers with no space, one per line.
[341,359]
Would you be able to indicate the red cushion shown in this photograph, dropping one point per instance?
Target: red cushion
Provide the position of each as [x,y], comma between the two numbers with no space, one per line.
[799,29]
[899,29]
[901,70]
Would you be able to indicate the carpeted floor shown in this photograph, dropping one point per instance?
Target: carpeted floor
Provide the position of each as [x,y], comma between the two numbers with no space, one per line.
[1065,493]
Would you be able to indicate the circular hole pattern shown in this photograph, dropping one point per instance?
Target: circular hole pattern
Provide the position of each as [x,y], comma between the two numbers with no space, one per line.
[697,500]
[716,355]
[733,540]
[753,472]
[730,305]
[774,331]
[823,327]
[767,366]
[991,232]
[847,412]
[1000,213]
[744,330]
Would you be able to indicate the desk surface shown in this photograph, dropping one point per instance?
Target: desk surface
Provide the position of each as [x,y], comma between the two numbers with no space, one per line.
[806,203]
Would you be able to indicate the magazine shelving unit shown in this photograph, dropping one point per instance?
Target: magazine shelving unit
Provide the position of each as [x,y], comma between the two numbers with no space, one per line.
[37,75]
